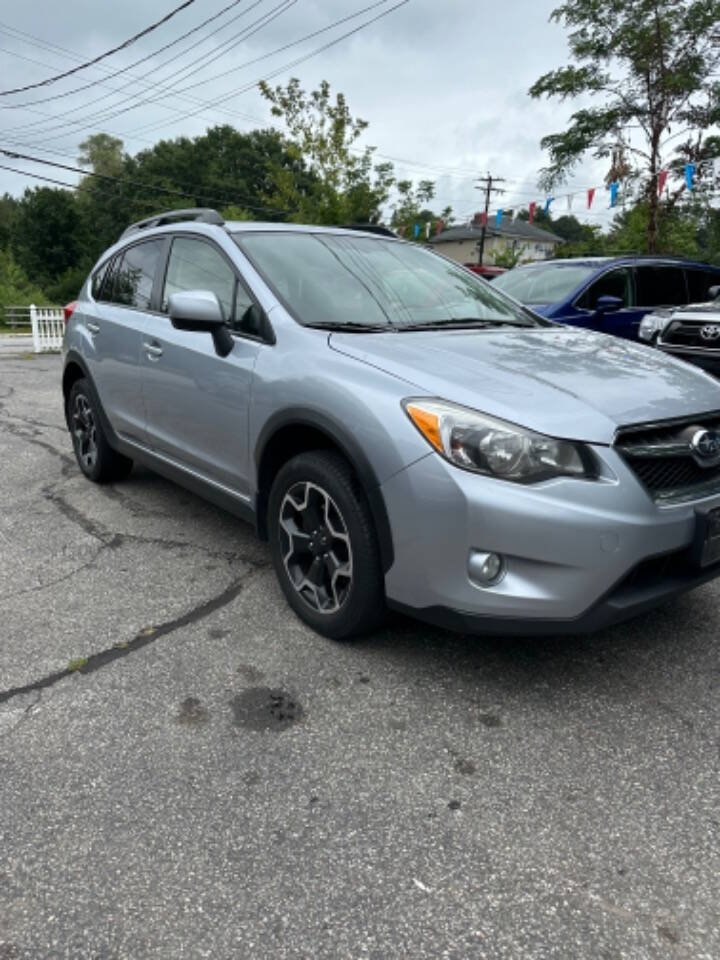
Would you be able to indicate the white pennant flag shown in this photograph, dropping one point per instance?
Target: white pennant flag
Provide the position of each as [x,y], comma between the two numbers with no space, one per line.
[570,200]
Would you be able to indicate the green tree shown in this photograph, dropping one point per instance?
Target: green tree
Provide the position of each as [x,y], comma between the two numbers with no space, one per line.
[47,238]
[652,65]
[347,186]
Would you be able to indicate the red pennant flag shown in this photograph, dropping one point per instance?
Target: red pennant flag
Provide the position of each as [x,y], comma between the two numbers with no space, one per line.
[440,227]
[531,218]
[662,179]
[483,219]
[591,196]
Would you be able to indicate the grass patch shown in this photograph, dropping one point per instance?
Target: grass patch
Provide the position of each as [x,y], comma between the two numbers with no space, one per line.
[77,664]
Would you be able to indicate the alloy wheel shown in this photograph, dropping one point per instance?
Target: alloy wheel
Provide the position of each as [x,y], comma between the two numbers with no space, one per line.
[315,547]
[84,431]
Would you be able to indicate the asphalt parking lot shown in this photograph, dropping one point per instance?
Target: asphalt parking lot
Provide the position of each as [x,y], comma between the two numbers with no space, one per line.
[186,771]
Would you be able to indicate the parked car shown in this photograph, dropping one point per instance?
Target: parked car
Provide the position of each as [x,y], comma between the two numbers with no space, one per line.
[610,295]
[400,431]
[690,333]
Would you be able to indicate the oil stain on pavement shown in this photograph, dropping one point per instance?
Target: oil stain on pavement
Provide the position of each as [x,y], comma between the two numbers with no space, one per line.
[263,708]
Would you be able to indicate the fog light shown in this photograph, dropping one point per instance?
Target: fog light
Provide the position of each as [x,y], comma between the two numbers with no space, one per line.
[486,568]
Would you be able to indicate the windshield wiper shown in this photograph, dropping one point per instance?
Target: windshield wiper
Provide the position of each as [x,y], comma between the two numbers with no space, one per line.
[350,327]
[463,323]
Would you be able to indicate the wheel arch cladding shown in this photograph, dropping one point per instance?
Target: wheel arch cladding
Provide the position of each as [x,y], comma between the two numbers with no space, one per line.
[292,432]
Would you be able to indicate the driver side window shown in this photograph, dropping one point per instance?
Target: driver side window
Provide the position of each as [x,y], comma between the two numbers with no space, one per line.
[196,265]
[615,283]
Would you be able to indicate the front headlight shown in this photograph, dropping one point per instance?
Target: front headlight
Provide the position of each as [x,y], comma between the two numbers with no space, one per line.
[496,448]
[653,323]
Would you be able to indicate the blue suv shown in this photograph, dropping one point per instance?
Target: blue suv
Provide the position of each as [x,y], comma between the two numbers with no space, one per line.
[609,294]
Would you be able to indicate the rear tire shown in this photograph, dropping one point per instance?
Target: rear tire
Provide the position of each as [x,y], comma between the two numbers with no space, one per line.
[323,545]
[95,457]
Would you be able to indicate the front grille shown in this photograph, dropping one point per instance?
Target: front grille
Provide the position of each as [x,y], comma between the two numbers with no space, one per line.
[662,458]
[686,333]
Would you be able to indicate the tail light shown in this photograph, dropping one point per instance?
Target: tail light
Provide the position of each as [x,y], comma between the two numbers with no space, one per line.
[68,309]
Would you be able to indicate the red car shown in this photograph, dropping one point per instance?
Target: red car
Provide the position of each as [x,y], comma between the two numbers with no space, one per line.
[485,271]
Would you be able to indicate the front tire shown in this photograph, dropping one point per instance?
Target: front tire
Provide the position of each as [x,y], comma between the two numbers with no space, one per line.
[95,457]
[323,545]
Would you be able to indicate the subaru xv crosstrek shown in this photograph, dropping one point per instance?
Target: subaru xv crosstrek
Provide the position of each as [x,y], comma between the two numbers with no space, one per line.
[401,432]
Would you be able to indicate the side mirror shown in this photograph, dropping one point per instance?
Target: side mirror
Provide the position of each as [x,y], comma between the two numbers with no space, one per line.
[199,311]
[609,304]
[714,292]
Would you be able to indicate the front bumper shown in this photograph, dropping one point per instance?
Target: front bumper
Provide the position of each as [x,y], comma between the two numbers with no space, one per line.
[579,555]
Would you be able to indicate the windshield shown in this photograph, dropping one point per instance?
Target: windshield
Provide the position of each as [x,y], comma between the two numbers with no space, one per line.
[549,283]
[370,282]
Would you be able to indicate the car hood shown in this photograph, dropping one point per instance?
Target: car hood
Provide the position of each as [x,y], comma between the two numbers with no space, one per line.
[560,381]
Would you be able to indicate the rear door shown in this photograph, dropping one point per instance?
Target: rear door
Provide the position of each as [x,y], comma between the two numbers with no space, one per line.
[196,402]
[115,319]
[660,285]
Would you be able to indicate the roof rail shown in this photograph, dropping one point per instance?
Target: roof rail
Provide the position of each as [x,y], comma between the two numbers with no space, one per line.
[201,214]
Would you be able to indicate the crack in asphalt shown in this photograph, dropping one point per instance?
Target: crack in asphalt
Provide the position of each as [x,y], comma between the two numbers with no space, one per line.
[97,661]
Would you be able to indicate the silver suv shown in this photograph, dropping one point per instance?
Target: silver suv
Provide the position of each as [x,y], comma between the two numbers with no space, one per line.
[402,433]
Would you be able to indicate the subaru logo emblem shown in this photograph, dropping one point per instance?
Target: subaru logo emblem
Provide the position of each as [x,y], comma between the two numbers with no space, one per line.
[711,331]
[705,445]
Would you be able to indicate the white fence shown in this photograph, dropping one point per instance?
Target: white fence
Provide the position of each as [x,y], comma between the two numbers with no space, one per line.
[48,327]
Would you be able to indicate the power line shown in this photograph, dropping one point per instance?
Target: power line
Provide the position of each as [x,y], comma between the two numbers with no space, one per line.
[102,56]
[135,183]
[161,89]
[166,88]
[116,73]
[285,67]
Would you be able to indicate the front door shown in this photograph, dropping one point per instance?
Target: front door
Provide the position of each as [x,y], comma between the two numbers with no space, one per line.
[196,402]
[622,321]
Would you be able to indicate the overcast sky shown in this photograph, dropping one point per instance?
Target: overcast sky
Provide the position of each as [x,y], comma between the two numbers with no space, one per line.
[443,83]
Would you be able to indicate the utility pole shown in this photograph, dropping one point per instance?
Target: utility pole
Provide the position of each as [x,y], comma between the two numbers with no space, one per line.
[487,185]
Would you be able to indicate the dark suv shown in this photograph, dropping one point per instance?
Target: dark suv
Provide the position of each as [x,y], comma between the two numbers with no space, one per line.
[609,294]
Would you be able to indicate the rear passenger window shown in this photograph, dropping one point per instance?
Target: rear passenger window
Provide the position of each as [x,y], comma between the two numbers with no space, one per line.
[196,265]
[131,279]
[699,282]
[660,286]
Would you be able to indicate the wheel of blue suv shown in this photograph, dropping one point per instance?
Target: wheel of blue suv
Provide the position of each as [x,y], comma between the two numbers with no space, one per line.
[95,457]
[324,547]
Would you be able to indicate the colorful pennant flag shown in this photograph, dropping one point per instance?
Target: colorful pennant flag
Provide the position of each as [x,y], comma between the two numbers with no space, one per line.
[614,192]
[662,180]
[427,229]
[590,197]
[531,218]
[440,227]
[689,174]
[570,201]
[416,231]
[483,219]
[547,204]
[498,218]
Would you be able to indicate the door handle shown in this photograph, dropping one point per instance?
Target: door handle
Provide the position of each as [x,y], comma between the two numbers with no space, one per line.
[154,350]
[92,326]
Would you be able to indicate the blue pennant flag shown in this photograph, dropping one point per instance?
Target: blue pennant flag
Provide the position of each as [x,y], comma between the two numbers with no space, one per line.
[547,204]
[498,218]
[689,174]
[417,230]
[614,186]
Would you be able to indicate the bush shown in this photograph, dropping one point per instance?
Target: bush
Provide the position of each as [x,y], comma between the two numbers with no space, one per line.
[15,288]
